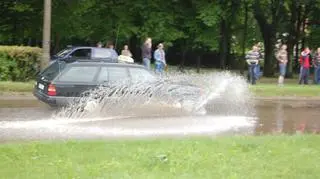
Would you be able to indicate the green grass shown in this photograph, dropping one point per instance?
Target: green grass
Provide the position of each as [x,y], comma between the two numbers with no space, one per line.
[293,90]
[229,157]
[266,87]
[9,86]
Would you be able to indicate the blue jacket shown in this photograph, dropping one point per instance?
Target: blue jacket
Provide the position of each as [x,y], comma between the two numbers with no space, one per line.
[157,56]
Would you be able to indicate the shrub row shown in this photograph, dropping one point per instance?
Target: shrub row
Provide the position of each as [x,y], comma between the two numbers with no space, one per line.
[19,63]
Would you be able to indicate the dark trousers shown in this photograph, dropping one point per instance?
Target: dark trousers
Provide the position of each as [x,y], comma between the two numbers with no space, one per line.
[252,74]
[304,75]
[317,74]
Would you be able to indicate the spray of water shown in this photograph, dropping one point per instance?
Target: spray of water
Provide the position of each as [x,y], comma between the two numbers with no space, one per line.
[187,94]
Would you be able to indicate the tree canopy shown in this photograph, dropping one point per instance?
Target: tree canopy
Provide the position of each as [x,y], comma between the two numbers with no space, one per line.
[223,28]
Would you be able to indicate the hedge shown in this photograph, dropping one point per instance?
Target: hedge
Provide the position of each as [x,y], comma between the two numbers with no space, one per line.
[19,63]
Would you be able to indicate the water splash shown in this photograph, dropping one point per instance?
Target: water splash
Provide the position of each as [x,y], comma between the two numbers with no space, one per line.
[187,94]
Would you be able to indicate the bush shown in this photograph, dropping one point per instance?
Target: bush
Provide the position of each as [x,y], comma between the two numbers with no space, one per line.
[19,63]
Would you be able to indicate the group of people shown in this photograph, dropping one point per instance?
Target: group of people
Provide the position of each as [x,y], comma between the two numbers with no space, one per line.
[306,61]
[146,52]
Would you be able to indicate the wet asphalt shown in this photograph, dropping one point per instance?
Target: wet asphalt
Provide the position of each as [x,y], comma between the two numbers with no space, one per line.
[28,119]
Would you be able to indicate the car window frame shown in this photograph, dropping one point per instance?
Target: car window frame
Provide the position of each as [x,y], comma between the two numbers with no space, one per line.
[112,66]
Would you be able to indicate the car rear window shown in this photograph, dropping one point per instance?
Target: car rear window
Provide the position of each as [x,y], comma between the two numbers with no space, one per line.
[53,70]
[79,74]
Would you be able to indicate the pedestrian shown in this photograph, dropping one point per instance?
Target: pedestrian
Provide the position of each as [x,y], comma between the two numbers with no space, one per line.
[252,59]
[282,57]
[305,60]
[114,54]
[146,52]
[126,51]
[160,59]
[316,64]
[125,56]
[261,53]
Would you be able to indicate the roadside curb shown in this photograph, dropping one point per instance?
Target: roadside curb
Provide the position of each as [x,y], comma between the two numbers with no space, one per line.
[29,96]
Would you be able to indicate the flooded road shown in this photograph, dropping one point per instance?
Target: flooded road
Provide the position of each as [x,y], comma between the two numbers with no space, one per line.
[31,120]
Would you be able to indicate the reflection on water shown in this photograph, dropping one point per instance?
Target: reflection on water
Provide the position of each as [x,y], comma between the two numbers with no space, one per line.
[293,118]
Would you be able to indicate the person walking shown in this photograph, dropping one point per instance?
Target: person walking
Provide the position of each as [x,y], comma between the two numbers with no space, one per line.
[282,57]
[305,60]
[252,59]
[316,64]
[160,59]
[126,51]
[146,52]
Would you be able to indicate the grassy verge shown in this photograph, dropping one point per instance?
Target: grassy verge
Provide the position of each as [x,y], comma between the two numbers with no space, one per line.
[236,157]
[293,90]
[8,86]
[266,87]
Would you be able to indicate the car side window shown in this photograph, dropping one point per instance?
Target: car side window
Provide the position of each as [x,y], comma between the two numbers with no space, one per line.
[141,75]
[102,53]
[82,53]
[79,74]
[103,76]
[113,74]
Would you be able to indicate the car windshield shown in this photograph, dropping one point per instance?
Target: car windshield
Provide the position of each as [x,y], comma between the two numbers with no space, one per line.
[63,52]
[53,70]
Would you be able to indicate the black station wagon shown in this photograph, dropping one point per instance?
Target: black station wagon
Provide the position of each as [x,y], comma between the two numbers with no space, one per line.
[61,83]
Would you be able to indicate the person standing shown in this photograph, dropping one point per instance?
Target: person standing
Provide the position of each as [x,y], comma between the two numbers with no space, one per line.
[282,57]
[125,56]
[305,60]
[160,59]
[261,53]
[252,59]
[113,51]
[126,51]
[316,64]
[146,52]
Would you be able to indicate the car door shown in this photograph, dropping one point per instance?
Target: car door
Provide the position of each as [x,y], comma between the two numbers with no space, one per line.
[76,80]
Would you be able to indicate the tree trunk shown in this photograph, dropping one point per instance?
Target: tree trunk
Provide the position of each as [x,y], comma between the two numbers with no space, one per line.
[242,61]
[268,69]
[183,59]
[224,38]
[57,43]
[293,36]
[198,63]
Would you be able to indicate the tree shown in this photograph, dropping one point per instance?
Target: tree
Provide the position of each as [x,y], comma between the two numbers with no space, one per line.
[268,16]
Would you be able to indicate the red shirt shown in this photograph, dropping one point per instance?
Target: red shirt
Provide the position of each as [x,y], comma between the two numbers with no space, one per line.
[305,60]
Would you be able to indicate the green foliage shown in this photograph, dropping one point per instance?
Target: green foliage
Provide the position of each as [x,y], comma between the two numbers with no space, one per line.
[19,63]
[194,25]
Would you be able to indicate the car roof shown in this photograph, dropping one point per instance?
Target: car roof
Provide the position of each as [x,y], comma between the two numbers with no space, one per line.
[103,63]
[83,47]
